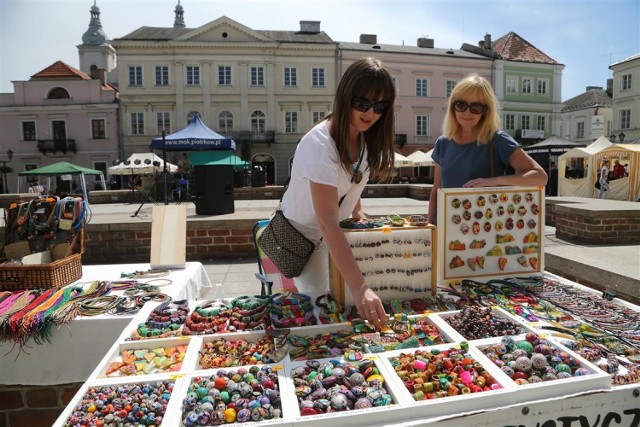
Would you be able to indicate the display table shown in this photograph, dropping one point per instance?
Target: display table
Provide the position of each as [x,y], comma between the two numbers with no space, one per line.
[77,347]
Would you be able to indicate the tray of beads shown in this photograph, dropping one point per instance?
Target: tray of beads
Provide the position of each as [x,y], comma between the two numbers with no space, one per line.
[112,401]
[238,349]
[161,320]
[440,380]
[342,391]
[252,394]
[475,323]
[147,357]
[541,367]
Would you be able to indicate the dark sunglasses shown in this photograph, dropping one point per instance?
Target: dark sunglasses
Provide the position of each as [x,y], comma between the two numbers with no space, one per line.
[363,105]
[474,107]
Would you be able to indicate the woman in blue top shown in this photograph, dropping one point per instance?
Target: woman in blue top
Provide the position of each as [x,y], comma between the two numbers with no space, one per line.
[461,154]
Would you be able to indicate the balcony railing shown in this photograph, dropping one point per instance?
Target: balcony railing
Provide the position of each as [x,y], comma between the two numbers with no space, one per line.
[400,139]
[53,146]
[267,137]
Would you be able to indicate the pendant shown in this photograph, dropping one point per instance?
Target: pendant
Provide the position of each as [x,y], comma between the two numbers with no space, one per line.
[357,176]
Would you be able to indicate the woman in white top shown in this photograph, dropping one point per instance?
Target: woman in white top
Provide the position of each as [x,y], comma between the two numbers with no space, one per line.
[603,177]
[336,159]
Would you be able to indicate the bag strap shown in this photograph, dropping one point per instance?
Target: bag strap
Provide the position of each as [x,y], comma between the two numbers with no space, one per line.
[491,171]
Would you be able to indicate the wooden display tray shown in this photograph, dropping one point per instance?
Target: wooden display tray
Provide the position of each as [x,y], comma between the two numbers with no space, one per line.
[336,281]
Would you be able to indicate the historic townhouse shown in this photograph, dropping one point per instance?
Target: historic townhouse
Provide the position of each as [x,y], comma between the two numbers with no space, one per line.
[265,89]
[626,99]
[587,116]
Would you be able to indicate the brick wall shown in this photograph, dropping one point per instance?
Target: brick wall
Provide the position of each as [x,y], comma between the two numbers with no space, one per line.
[26,406]
[601,227]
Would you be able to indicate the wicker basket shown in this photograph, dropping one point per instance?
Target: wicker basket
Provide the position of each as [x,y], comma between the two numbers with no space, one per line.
[57,273]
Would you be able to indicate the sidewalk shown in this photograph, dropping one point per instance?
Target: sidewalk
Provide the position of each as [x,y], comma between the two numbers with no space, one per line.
[615,267]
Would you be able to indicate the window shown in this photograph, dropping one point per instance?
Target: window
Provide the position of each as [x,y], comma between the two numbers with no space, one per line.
[422,125]
[542,123]
[58,93]
[625,119]
[162,75]
[626,82]
[225,123]
[318,116]
[163,122]
[224,75]
[542,86]
[257,76]
[450,85]
[29,167]
[512,84]
[421,87]
[510,121]
[102,167]
[257,122]
[193,75]
[526,85]
[580,130]
[135,75]
[290,76]
[525,122]
[291,122]
[137,124]
[317,77]
[29,131]
[98,129]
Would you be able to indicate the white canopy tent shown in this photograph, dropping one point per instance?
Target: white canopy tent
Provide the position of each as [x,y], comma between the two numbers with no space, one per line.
[400,161]
[581,185]
[626,188]
[420,158]
[142,164]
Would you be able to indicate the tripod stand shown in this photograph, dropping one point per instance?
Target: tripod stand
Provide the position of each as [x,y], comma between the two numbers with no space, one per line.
[148,197]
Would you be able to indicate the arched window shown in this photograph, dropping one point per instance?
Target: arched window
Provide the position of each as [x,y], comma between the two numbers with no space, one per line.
[58,93]
[258,120]
[191,116]
[225,123]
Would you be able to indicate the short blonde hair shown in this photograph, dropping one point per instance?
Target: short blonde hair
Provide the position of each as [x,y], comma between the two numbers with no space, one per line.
[479,87]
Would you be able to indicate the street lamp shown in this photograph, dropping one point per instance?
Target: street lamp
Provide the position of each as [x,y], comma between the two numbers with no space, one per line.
[621,136]
[5,169]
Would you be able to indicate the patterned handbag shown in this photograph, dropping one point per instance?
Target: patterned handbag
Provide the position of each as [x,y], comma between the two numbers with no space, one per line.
[285,246]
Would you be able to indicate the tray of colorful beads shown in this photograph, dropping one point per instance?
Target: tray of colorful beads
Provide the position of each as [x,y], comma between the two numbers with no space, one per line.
[475,322]
[542,367]
[237,349]
[442,379]
[149,401]
[342,391]
[235,395]
[134,358]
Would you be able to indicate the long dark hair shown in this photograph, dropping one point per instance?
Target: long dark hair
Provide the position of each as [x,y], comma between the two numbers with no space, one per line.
[366,78]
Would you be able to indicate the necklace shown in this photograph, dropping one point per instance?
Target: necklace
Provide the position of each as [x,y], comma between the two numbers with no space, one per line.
[356,174]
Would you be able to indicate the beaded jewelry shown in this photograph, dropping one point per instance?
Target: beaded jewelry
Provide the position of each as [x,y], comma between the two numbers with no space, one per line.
[164,321]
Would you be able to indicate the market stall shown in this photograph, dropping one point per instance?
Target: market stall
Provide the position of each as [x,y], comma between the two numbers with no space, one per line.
[577,169]
[499,340]
[71,350]
[628,187]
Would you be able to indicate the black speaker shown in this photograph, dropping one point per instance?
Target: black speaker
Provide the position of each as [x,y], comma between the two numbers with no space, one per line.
[213,189]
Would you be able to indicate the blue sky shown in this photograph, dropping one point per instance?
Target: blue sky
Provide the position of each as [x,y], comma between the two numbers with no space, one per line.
[584,35]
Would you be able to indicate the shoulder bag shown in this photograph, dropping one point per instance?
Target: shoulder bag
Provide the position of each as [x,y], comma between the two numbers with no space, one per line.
[286,247]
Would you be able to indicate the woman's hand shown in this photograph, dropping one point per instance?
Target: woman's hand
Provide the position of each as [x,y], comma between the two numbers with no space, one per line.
[370,307]
[480,182]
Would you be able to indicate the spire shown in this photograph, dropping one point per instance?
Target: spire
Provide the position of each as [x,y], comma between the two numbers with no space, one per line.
[179,21]
[95,34]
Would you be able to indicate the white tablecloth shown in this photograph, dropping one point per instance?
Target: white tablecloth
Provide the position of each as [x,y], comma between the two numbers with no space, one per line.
[76,348]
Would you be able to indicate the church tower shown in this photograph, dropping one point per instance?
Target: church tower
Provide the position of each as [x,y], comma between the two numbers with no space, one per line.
[97,56]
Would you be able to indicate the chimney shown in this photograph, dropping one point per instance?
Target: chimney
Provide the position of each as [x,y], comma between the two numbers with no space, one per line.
[487,42]
[425,42]
[99,73]
[310,27]
[610,87]
[593,88]
[368,38]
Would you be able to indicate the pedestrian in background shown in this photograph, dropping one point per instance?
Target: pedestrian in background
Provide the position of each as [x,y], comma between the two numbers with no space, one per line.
[603,177]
